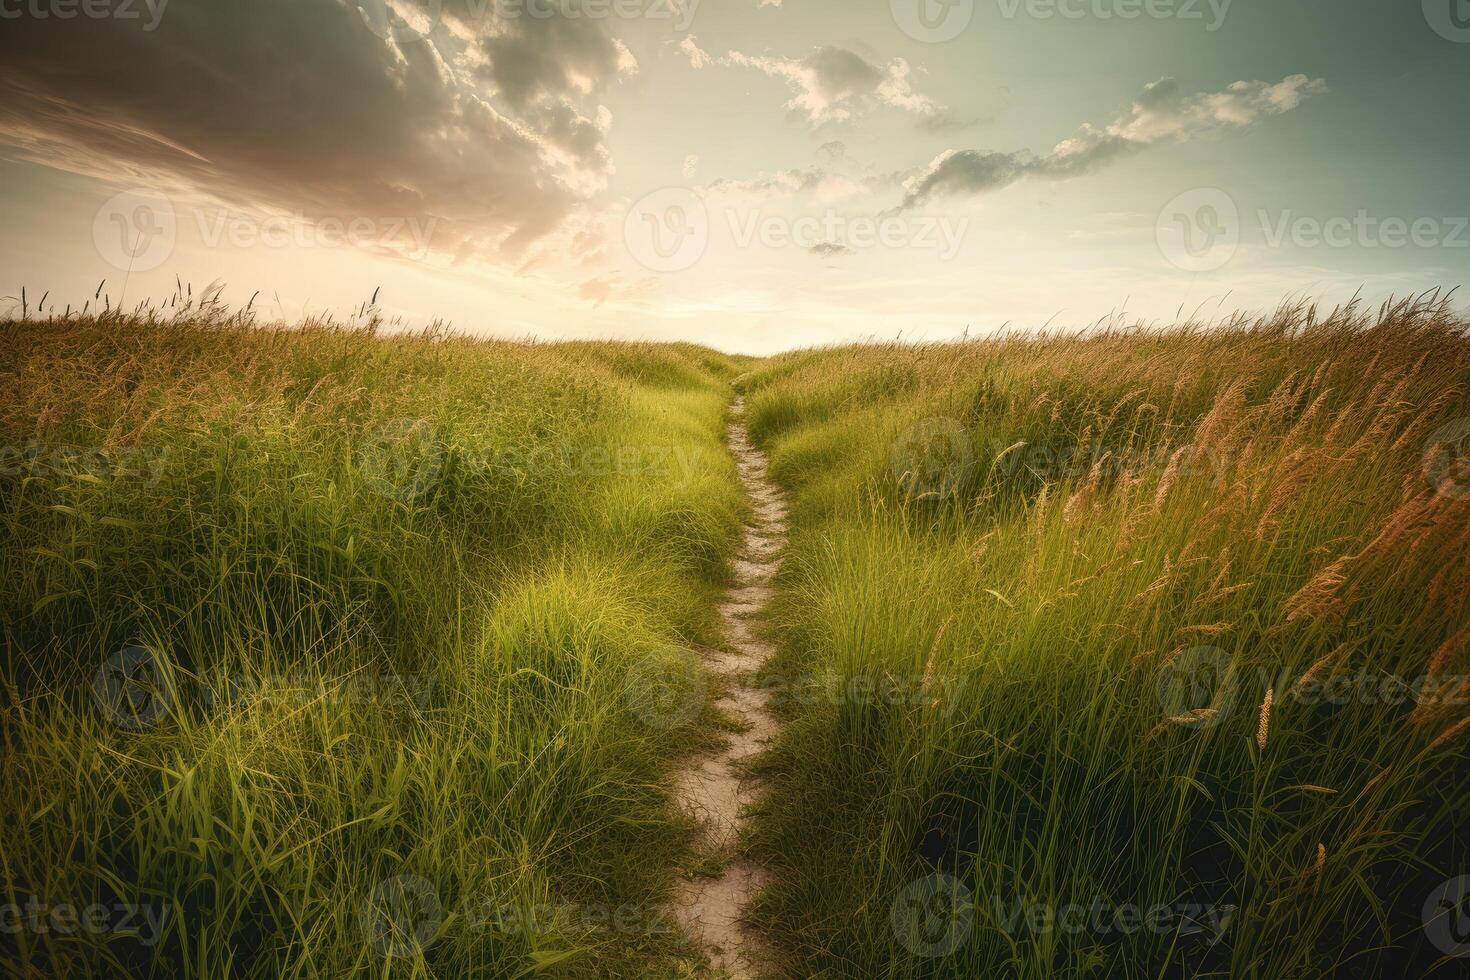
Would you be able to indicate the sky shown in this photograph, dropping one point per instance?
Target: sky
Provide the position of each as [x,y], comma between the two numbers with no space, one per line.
[755,175]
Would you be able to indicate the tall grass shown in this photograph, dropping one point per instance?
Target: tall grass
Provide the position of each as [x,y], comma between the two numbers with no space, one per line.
[383,597]
[1150,600]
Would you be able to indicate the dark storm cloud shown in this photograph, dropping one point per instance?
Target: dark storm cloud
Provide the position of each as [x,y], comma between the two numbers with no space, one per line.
[543,56]
[302,104]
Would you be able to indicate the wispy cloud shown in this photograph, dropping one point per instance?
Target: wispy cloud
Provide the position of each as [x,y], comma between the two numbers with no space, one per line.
[1161,113]
[832,84]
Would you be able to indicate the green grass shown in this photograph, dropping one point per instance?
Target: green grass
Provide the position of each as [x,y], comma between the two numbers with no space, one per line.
[393,590]
[412,617]
[1050,591]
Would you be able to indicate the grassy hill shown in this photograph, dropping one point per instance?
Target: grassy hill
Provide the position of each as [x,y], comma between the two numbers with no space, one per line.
[309,632]
[1155,620]
[1138,653]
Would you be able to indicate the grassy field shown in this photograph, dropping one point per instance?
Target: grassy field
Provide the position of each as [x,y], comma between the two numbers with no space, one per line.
[1142,654]
[329,651]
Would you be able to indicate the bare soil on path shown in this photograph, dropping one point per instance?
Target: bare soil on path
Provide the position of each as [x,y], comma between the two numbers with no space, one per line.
[717,787]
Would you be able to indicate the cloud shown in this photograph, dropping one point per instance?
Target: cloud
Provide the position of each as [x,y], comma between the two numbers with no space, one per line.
[491,125]
[698,57]
[823,185]
[831,84]
[832,150]
[595,291]
[829,249]
[1161,113]
[537,57]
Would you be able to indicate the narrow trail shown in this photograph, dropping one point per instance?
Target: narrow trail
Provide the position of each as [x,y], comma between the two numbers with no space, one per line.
[717,787]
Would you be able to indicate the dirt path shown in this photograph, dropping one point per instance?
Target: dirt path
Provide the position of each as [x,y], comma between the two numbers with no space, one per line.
[717,787]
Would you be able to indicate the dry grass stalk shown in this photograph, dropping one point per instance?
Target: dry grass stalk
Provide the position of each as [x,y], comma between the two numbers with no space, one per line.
[1312,671]
[1263,730]
[1449,733]
[1318,599]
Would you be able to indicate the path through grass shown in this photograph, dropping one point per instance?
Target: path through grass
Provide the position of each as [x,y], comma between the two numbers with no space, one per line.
[1138,654]
[718,787]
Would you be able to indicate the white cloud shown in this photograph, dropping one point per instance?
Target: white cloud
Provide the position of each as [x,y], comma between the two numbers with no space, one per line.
[698,57]
[1160,113]
[832,84]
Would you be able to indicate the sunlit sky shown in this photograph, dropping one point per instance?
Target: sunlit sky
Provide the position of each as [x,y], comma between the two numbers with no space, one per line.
[751,174]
